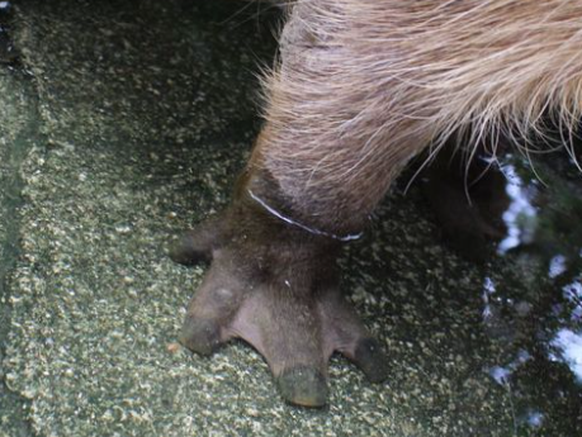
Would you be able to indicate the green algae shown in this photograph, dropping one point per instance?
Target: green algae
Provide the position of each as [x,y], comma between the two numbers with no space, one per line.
[143,114]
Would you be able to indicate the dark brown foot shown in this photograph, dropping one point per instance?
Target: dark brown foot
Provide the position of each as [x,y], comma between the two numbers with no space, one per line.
[276,288]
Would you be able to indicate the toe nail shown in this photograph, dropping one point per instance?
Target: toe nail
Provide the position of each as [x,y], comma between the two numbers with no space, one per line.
[371,359]
[303,386]
[199,335]
[184,251]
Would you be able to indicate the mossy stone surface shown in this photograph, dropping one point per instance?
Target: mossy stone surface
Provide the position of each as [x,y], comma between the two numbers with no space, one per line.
[128,121]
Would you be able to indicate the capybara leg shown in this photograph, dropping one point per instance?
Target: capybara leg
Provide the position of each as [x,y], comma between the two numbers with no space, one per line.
[361,88]
[275,285]
[313,179]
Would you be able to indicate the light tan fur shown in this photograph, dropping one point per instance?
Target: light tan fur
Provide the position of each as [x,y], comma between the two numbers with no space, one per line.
[362,86]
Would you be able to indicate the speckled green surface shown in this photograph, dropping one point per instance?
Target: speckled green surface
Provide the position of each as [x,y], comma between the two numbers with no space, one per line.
[18,132]
[137,117]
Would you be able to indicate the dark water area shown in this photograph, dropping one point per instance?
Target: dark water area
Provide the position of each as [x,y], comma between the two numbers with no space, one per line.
[525,214]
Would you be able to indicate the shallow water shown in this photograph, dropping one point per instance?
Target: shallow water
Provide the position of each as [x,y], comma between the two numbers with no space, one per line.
[535,312]
[124,122]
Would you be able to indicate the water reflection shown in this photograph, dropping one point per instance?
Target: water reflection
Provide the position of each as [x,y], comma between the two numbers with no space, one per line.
[557,266]
[567,347]
[531,292]
[534,419]
[573,293]
[502,374]
[520,217]
[488,290]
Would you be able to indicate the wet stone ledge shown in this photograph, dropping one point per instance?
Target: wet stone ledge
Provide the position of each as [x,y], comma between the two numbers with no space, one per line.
[133,123]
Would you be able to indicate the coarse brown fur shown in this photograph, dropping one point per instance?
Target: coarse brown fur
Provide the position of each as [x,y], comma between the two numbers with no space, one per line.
[362,86]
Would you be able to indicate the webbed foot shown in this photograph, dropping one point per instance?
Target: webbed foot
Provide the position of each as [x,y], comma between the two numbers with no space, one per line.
[276,287]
